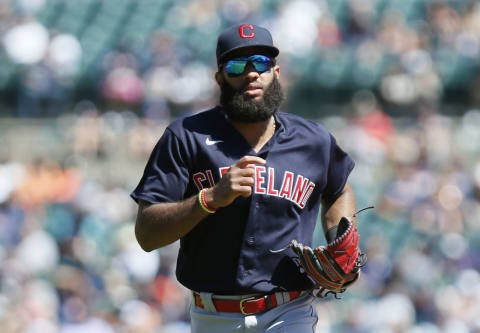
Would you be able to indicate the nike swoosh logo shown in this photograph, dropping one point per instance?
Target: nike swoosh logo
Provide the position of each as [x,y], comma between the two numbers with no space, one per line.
[211,142]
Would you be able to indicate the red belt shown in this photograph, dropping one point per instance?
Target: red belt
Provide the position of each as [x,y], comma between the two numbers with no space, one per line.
[246,306]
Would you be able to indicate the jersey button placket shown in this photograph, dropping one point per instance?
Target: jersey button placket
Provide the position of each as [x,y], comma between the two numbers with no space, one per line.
[251,238]
[247,253]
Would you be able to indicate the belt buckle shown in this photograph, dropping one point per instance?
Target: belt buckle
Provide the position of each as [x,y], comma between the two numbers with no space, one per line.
[241,305]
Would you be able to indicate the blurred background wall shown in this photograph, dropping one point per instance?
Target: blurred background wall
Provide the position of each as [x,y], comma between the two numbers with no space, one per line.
[88,86]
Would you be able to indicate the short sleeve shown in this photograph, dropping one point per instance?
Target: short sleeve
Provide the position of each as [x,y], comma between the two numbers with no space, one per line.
[165,177]
[339,169]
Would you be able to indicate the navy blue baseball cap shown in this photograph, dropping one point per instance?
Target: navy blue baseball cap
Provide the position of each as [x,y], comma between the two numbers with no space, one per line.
[244,36]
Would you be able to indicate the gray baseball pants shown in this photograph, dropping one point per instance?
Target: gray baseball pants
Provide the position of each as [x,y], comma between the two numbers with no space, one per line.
[297,316]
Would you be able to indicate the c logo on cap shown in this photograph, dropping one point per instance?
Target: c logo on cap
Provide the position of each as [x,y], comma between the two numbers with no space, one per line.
[242,28]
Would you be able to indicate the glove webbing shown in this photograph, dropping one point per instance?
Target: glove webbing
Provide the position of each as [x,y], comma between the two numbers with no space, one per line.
[319,277]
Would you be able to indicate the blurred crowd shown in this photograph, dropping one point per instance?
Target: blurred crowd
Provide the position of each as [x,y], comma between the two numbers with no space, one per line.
[89,86]
[157,57]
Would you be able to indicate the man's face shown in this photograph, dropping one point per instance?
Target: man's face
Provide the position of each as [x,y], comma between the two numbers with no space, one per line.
[252,96]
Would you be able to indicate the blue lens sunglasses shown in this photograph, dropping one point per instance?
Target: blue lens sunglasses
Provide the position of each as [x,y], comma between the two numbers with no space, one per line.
[235,67]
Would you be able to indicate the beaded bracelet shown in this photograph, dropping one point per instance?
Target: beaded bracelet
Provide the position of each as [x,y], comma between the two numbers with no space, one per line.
[203,202]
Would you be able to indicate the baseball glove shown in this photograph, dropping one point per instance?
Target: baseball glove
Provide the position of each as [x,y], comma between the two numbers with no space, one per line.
[335,267]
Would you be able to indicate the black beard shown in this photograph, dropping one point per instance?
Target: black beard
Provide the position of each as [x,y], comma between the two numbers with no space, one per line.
[242,108]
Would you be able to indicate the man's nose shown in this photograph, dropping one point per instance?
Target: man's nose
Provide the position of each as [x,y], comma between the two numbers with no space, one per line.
[251,72]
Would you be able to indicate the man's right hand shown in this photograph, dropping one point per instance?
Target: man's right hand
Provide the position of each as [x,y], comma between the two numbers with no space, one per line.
[237,181]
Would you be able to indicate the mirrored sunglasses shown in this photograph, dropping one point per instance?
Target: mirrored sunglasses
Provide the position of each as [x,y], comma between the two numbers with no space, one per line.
[236,67]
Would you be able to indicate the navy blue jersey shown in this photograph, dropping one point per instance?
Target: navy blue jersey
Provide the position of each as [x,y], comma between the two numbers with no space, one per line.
[229,252]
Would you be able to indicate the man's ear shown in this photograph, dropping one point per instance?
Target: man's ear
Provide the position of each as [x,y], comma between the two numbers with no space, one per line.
[219,78]
[276,70]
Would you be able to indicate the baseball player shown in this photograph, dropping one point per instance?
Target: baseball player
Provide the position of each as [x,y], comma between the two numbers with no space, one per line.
[239,181]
